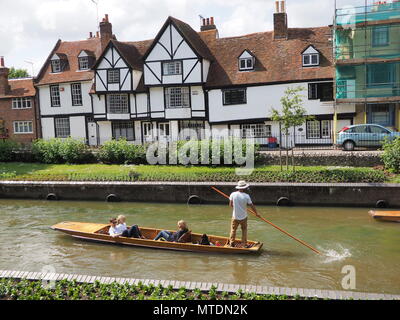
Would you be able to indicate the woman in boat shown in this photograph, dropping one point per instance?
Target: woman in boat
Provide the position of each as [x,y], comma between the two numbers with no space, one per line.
[113,231]
[173,237]
[132,232]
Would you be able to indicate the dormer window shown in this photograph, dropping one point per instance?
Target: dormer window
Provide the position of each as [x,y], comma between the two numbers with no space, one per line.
[59,63]
[246,61]
[172,68]
[310,57]
[85,60]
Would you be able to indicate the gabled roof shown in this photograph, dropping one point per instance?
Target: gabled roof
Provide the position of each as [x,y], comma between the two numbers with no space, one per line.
[71,50]
[191,36]
[277,60]
[131,52]
[20,88]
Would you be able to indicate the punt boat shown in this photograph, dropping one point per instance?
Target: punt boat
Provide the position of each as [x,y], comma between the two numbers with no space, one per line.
[99,233]
[392,216]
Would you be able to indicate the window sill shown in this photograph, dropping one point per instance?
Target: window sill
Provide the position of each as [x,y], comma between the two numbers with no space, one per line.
[22,133]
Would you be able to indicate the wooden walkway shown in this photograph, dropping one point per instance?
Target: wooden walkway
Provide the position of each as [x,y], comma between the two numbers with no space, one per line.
[204,286]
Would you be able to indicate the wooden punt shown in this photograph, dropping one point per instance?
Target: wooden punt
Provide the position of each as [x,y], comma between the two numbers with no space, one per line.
[392,216]
[99,233]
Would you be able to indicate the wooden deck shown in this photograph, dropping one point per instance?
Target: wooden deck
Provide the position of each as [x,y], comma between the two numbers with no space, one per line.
[204,286]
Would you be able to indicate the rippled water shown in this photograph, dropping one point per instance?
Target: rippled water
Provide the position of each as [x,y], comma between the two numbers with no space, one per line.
[346,237]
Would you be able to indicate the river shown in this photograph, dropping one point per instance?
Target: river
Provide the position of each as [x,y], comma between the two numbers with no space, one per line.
[347,235]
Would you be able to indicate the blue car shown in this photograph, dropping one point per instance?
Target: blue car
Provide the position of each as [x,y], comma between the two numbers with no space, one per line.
[364,135]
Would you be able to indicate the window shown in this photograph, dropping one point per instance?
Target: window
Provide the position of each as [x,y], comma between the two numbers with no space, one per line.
[76,92]
[113,76]
[172,68]
[311,59]
[123,130]
[55,96]
[380,36]
[379,130]
[118,103]
[163,130]
[322,91]
[246,64]
[62,127]
[318,129]
[147,129]
[382,114]
[258,130]
[56,66]
[381,75]
[22,103]
[177,97]
[83,63]
[234,96]
[21,127]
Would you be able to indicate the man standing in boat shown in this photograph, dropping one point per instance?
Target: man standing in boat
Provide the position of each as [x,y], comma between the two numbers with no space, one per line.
[239,201]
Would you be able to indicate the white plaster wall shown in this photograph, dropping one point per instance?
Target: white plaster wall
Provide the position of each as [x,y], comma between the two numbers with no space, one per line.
[141,102]
[105,131]
[195,74]
[78,127]
[48,131]
[178,113]
[157,99]
[198,101]
[206,68]
[149,76]
[99,104]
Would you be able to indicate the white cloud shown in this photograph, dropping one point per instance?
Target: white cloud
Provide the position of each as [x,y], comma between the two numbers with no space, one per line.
[29,29]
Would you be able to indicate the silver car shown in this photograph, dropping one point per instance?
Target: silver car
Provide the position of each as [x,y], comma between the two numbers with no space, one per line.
[364,135]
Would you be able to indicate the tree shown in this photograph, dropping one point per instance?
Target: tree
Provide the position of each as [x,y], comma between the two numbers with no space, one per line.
[18,73]
[292,114]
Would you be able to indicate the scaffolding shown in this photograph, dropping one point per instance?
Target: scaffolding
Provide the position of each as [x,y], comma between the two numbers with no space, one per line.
[367,50]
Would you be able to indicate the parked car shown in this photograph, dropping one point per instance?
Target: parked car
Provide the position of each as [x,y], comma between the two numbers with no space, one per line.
[364,135]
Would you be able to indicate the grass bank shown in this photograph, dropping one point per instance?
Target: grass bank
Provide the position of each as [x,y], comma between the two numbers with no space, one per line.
[11,289]
[101,172]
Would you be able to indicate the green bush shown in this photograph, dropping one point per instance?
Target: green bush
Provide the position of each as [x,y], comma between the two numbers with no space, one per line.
[120,152]
[391,155]
[55,151]
[7,148]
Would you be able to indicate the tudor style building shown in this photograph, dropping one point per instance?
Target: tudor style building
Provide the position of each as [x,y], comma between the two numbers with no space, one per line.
[183,79]
[18,112]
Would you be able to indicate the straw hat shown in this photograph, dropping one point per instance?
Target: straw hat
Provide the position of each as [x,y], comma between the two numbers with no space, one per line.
[242,185]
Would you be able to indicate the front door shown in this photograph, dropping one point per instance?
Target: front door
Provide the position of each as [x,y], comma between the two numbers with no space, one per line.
[92,132]
[164,131]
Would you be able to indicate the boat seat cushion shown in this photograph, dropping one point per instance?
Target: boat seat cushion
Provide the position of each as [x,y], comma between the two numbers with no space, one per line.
[187,237]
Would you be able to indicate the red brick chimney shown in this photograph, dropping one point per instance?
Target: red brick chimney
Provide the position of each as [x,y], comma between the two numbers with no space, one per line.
[209,31]
[280,21]
[4,86]
[106,33]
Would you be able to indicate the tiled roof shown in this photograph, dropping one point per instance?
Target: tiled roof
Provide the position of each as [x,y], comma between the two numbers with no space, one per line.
[276,60]
[71,49]
[20,88]
[133,52]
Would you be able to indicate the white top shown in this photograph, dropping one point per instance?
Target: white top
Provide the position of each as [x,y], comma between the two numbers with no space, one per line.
[240,201]
[117,230]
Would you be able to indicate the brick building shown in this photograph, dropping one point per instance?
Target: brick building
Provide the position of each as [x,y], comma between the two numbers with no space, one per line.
[17,108]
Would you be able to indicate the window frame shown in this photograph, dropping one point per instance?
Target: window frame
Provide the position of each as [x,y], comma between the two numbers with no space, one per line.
[21,102]
[246,60]
[17,123]
[234,103]
[320,129]
[125,125]
[114,81]
[57,129]
[52,97]
[265,133]
[310,56]
[59,66]
[316,94]
[87,61]
[185,98]
[76,102]
[168,63]
[124,109]
[374,34]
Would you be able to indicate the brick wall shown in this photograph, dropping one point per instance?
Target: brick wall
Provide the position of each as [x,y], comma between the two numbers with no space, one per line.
[10,115]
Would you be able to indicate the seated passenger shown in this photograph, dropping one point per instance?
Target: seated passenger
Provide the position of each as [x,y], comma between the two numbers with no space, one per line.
[132,232]
[173,237]
[113,232]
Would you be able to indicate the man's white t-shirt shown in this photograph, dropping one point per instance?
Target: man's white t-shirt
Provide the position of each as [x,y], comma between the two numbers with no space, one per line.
[121,227]
[240,201]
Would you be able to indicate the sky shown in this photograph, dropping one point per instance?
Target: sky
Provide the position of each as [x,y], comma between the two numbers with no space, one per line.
[29,29]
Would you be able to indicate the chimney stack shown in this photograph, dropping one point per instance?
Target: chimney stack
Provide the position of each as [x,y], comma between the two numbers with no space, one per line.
[4,86]
[208,24]
[106,33]
[280,21]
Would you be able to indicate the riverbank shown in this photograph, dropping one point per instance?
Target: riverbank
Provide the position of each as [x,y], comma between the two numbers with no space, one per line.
[18,285]
[16,171]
